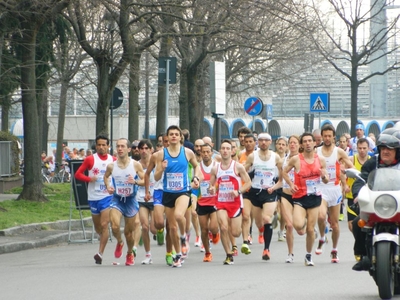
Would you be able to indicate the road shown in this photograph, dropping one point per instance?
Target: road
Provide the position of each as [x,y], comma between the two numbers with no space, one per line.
[68,272]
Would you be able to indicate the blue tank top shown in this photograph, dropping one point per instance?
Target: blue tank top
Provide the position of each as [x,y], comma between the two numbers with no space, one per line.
[176,175]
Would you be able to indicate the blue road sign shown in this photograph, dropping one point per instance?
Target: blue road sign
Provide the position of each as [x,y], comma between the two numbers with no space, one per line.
[319,102]
[253,106]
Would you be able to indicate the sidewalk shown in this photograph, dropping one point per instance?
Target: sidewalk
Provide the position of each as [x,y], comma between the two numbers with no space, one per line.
[43,234]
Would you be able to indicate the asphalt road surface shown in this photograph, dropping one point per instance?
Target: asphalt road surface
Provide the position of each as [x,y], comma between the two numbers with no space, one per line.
[69,272]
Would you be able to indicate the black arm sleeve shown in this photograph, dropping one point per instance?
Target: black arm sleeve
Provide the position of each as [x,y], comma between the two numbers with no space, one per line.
[367,167]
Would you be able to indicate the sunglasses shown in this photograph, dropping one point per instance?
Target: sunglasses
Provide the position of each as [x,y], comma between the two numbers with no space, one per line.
[134,147]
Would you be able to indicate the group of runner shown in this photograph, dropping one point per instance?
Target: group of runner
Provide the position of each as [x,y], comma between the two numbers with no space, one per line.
[300,183]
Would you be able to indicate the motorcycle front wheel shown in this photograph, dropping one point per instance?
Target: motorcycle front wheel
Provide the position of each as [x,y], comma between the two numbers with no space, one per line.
[384,270]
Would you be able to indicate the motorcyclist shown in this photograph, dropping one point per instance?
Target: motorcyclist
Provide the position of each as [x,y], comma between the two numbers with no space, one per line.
[388,145]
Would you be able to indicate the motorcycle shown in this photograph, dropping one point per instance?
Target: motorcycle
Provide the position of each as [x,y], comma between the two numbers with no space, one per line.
[379,202]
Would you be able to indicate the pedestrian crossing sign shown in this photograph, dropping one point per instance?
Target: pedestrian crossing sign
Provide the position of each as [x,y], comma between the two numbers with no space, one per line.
[319,102]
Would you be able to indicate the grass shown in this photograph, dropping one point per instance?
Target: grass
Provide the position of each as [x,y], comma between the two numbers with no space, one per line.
[15,213]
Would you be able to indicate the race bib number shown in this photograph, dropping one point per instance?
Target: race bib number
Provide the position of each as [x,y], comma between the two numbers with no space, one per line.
[331,173]
[124,191]
[291,176]
[263,179]
[312,186]
[225,190]
[174,181]
[99,185]
[204,186]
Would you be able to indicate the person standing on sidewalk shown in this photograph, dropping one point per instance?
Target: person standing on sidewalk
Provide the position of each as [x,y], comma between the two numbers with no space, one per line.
[125,172]
[98,198]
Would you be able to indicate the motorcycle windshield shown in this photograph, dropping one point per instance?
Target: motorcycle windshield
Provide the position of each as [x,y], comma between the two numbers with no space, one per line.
[384,179]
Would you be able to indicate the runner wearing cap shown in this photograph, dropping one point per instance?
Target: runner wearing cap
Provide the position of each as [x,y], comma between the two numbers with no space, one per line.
[360,134]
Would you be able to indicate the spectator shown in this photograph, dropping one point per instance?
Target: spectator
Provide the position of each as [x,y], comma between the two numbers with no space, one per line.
[186,142]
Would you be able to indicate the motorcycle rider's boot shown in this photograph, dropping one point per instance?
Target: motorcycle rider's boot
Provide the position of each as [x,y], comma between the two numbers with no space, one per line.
[363,265]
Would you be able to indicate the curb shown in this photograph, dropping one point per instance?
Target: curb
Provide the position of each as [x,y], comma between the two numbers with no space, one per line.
[58,225]
[52,239]
[48,241]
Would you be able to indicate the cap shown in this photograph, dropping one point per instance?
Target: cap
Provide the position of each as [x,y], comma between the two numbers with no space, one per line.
[135,144]
[360,126]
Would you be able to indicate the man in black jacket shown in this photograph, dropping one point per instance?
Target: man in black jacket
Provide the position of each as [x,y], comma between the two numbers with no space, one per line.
[389,157]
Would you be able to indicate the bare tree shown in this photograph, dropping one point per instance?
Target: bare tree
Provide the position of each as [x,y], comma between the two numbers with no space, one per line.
[350,50]
[67,63]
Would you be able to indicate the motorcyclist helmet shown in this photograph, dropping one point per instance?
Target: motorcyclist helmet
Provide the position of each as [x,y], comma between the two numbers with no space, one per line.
[390,138]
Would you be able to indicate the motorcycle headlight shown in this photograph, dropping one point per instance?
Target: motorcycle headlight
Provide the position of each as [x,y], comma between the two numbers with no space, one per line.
[385,206]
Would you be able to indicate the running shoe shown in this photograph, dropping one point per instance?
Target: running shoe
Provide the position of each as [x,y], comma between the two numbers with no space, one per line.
[177,262]
[228,260]
[341,217]
[334,257]
[308,261]
[215,238]
[235,251]
[250,239]
[321,244]
[289,259]
[140,241]
[98,259]
[169,259]
[245,249]
[274,222]
[160,237]
[210,236]
[197,242]
[147,260]
[266,255]
[130,259]
[134,251]
[118,250]
[184,248]
[261,238]
[202,249]
[207,257]
[281,237]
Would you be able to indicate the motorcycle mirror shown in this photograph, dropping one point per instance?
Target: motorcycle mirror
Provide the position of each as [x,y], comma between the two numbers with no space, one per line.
[354,173]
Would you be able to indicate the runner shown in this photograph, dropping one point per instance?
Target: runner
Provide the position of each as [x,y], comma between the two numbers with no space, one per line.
[228,175]
[309,168]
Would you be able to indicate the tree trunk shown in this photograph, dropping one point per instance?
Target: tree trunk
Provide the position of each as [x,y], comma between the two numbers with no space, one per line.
[162,109]
[105,93]
[44,123]
[32,189]
[184,98]
[134,87]
[61,121]
[193,102]
[5,112]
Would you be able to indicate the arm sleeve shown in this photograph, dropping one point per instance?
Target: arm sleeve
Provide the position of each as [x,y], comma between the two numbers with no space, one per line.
[365,170]
[86,165]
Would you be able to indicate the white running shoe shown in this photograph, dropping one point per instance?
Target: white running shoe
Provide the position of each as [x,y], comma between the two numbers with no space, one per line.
[147,260]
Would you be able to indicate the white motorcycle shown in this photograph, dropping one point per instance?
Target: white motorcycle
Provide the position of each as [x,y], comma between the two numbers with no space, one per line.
[379,202]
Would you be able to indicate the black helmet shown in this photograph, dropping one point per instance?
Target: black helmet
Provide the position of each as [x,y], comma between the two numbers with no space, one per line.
[388,140]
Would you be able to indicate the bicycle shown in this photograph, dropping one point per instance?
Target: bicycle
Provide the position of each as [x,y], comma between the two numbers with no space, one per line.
[62,175]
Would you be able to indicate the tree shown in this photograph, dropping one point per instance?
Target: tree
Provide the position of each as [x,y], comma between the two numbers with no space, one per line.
[100,20]
[348,51]
[67,63]
[30,16]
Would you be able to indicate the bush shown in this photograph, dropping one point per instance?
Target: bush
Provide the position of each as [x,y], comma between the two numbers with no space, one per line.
[8,137]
